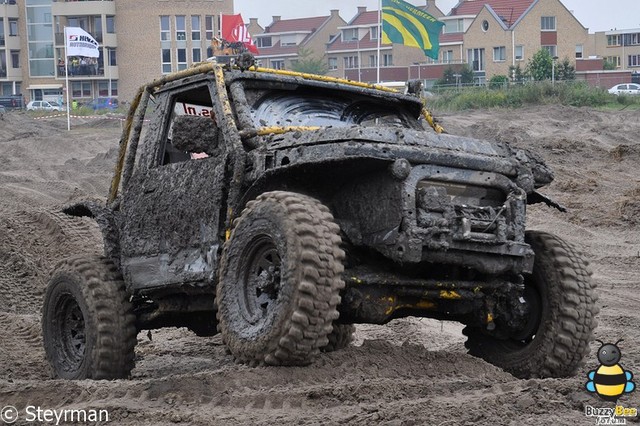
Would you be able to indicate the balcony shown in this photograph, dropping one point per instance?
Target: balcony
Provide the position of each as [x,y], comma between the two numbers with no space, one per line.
[8,8]
[80,8]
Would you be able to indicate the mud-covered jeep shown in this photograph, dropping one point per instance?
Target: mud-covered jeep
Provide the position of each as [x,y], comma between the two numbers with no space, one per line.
[279,208]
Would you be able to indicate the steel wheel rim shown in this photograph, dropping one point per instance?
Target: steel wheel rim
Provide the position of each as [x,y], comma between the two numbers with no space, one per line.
[71,331]
[261,280]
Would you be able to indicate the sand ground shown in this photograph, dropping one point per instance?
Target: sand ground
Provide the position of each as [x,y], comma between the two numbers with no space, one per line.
[409,372]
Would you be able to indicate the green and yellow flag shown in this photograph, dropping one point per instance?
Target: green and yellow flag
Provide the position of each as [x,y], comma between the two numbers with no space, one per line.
[404,23]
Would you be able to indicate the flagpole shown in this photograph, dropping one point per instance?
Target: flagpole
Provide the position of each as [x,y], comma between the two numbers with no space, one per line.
[379,37]
[66,76]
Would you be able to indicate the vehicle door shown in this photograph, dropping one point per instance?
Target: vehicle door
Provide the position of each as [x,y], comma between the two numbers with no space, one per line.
[173,205]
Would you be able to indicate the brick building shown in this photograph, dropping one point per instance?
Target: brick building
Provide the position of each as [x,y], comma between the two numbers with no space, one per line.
[139,41]
[281,41]
[353,52]
[488,35]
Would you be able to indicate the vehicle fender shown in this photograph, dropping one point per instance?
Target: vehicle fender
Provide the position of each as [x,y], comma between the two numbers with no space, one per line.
[107,221]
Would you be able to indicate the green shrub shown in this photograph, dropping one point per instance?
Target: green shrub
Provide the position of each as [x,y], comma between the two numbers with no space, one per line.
[566,93]
[498,82]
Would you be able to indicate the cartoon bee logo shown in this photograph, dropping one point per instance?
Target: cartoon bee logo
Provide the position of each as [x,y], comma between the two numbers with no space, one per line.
[610,380]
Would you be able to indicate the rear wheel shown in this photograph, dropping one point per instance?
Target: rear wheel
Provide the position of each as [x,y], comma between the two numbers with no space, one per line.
[88,324]
[561,299]
[280,278]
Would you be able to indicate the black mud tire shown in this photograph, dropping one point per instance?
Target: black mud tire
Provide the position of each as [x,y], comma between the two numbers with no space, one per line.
[280,279]
[566,301]
[340,337]
[88,325]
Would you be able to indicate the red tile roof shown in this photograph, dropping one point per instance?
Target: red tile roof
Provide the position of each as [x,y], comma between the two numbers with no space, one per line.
[293,25]
[366,18]
[509,10]
[451,38]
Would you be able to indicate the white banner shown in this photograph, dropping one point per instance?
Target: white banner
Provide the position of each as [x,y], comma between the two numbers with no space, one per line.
[81,43]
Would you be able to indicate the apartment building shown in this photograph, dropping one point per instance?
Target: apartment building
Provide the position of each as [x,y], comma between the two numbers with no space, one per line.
[10,49]
[139,41]
[353,52]
[618,47]
[488,35]
[506,33]
[282,41]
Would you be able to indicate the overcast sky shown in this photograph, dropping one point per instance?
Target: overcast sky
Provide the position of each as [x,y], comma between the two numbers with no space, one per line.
[597,15]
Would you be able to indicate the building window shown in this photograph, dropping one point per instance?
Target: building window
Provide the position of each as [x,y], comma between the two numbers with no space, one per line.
[634,61]
[13,27]
[181,27]
[111,51]
[195,27]
[350,34]
[614,40]
[373,61]
[447,56]
[548,23]
[387,60]
[553,50]
[103,88]
[111,24]
[208,27]
[453,26]
[499,54]
[263,42]
[333,63]
[374,31]
[15,59]
[475,58]
[277,64]
[288,40]
[615,60]
[519,52]
[166,61]
[181,54]
[81,89]
[350,62]
[165,34]
[579,50]
[196,55]
[485,25]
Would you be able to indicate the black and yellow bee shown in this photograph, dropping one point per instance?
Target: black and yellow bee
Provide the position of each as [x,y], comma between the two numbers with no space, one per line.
[610,380]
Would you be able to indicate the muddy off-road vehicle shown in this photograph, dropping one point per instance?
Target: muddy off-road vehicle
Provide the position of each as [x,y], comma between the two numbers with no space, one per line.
[278,209]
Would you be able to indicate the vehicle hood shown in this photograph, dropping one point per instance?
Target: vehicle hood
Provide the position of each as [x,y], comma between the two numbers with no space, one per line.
[391,143]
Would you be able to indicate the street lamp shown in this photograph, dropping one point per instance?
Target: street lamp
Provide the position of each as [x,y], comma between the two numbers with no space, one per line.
[553,70]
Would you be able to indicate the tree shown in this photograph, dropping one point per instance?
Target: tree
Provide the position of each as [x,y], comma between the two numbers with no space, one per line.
[517,74]
[565,71]
[467,74]
[308,63]
[609,65]
[447,78]
[498,82]
[540,66]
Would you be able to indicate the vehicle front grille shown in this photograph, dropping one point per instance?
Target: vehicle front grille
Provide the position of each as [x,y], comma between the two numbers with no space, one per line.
[453,211]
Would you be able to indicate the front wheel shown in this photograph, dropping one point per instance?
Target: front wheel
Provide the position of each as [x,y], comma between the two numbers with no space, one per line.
[280,278]
[88,325]
[561,298]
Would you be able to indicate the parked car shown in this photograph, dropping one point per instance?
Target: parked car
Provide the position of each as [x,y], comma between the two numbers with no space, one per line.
[625,89]
[12,102]
[44,105]
[103,103]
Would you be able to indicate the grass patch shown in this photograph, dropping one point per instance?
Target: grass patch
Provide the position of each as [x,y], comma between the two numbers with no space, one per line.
[577,94]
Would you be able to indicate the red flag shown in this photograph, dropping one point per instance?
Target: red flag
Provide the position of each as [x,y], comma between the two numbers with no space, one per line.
[233,29]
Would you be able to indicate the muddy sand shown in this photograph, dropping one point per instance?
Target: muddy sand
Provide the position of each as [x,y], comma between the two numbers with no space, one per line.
[408,372]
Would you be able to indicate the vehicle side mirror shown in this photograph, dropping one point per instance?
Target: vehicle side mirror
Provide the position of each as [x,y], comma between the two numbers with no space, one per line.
[195,134]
